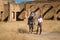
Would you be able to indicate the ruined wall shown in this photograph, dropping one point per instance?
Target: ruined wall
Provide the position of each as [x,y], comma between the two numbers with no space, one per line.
[4,13]
[48,10]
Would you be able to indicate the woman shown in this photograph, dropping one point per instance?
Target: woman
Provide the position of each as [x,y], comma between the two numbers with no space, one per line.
[40,20]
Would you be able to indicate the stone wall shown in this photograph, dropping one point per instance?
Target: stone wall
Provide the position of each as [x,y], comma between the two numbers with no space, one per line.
[48,10]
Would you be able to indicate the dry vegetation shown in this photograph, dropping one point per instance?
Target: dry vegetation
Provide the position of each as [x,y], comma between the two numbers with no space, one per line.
[19,31]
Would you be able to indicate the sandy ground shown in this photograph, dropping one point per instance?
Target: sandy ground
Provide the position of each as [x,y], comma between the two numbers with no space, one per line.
[19,31]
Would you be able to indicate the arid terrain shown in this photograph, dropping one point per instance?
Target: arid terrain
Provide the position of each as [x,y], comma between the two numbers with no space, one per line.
[18,30]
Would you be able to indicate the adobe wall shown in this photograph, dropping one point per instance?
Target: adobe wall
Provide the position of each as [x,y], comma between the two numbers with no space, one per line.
[46,9]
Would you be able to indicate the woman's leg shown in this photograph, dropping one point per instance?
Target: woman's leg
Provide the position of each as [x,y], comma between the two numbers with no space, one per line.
[37,29]
[40,28]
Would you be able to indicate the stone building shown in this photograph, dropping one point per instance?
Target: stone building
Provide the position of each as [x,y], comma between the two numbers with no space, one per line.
[14,12]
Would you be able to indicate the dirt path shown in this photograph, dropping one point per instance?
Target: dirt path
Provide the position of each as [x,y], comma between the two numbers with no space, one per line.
[48,36]
[9,31]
